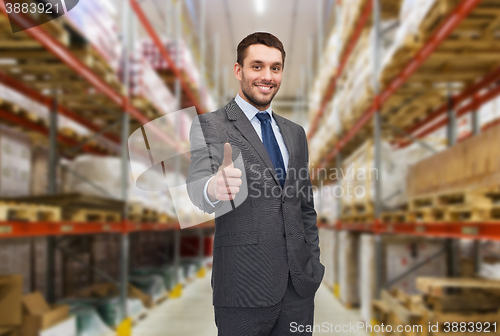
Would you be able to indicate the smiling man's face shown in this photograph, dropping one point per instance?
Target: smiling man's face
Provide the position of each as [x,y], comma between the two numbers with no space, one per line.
[260,76]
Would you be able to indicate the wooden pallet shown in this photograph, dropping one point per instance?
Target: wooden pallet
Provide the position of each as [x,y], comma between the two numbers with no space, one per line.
[395,217]
[465,56]
[357,208]
[164,218]
[451,199]
[407,49]
[15,109]
[358,218]
[135,208]
[71,133]
[398,308]
[465,206]
[21,39]
[92,215]
[11,211]
[438,287]
[138,213]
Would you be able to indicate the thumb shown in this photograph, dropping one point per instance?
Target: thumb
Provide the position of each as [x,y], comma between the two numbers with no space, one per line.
[228,155]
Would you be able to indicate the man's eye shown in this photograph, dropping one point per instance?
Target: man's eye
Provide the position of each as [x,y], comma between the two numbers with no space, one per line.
[276,69]
[256,66]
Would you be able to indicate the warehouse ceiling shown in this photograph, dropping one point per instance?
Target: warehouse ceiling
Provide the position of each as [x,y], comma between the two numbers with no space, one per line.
[294,22]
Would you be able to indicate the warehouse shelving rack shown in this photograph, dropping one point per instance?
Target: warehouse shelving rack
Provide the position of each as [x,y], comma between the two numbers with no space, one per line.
[475,95]
[50,229]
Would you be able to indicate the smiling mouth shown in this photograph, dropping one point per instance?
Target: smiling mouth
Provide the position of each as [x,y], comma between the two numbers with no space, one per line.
[264,88]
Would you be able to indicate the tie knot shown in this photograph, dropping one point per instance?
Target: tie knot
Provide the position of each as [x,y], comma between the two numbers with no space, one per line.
[263,117]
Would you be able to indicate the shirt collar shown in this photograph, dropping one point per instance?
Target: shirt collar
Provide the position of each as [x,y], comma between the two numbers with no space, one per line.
[250,110]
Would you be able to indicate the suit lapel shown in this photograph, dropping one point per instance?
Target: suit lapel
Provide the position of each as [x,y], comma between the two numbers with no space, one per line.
[234,113]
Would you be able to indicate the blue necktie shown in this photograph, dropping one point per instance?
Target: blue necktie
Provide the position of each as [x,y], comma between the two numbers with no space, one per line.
[272,146]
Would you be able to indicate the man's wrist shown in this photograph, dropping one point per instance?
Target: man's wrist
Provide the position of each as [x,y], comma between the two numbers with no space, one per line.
[206,193]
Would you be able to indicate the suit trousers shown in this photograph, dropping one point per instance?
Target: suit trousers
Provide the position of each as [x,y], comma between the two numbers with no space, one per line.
[278,320]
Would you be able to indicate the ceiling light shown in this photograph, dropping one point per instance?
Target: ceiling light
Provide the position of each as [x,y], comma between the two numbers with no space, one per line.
[259,6]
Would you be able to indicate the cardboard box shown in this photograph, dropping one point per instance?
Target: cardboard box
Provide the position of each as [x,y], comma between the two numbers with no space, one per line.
[65,328]
[10,300]
[39,316]
[404,255]
[15,162]
[6,331]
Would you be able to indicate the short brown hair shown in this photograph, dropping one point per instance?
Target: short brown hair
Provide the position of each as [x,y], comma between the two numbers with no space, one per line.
[266,39]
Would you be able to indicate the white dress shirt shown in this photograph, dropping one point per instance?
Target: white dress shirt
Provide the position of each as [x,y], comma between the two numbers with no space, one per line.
[250,111]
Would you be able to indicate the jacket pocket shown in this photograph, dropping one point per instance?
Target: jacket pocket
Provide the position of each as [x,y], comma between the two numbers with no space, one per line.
[234,239]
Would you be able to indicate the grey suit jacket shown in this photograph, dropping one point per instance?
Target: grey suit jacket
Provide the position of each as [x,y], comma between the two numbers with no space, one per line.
[272,231]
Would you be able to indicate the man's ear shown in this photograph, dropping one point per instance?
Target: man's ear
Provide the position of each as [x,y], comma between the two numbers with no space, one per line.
[237,71]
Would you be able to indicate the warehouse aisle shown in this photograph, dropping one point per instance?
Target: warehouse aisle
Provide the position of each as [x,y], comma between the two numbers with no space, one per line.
[192,314]
[329,313]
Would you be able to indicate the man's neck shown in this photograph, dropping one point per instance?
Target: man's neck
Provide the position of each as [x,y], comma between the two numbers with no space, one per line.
[258,107]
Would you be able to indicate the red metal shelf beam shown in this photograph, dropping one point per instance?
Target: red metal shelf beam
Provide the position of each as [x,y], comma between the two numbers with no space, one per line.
[473,105]
[24,229]
[489,231]
[11,229]
[475,93]
[360,25]
[444,30]
[157,41]
[485,230]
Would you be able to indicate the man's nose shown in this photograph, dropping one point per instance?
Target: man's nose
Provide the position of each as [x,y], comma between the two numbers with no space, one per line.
[266,74]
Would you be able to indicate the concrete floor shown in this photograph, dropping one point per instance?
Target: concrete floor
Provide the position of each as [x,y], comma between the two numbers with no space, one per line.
[193,314]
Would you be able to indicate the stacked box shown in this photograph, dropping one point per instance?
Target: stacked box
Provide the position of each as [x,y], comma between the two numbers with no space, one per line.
[186,61]
[15,163]
[326,202]
[402,255]
[15,259]
[97,21]
[40,170]
[359,174]
[467,166]
[145,82]
[412,31]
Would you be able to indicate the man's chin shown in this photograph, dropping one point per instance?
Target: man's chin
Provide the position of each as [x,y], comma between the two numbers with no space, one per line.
[263,100]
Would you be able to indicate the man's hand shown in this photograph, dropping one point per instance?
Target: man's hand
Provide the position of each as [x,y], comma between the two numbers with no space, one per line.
[225,184]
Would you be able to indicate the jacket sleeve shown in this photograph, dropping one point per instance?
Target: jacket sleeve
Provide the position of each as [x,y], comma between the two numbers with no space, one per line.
[206,158]
[309,215]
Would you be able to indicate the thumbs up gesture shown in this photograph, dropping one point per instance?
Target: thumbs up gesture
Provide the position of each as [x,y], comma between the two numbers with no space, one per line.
[225,184]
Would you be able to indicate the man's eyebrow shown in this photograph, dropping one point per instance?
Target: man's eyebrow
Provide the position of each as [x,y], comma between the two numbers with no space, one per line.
[262,62]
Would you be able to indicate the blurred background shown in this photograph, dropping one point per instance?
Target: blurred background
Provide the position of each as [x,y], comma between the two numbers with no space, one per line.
[399,99]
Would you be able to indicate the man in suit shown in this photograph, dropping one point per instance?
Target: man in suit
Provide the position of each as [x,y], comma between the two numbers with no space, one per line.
[250,166]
